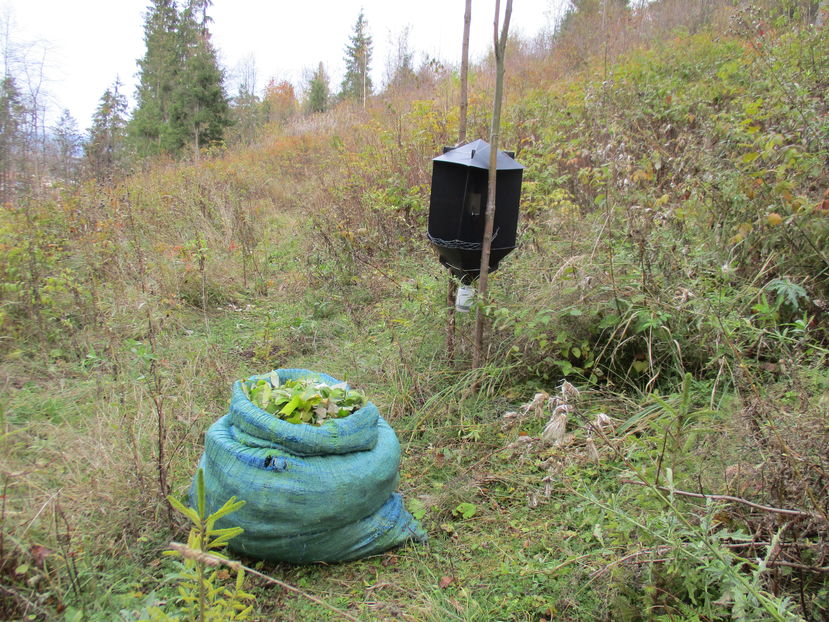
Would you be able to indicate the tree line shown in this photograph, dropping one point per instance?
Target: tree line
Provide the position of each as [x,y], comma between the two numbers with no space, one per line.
[181,103]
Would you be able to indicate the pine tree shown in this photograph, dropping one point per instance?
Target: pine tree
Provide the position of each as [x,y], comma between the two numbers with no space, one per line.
[318,91]
[357,82]
[106,148]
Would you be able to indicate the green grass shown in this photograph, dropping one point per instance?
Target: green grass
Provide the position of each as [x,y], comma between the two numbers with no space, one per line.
[675,275]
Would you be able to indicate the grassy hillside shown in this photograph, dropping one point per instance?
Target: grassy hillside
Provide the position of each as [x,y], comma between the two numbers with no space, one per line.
[672,267]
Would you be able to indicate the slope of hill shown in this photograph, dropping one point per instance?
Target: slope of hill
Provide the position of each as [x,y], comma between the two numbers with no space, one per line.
[672,266]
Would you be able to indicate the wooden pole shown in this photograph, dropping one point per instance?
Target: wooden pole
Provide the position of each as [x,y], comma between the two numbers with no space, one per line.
[467,20]
[452,291]
[494,135]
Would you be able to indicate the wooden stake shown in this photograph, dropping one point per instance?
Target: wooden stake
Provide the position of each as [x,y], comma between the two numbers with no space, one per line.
[450,320]
[467,20]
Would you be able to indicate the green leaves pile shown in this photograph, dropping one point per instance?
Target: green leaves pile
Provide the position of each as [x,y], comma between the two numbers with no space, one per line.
[306,400]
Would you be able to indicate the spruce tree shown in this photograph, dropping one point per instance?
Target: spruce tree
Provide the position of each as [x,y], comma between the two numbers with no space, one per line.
[150,128]
[67,142]
[200,106]
[106,148]
[12,121]
[357,82]
[318,91]
[181,98]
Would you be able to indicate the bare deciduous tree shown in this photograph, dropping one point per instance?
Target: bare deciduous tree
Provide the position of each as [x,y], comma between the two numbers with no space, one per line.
[464,105]
[494,136]
[467,20]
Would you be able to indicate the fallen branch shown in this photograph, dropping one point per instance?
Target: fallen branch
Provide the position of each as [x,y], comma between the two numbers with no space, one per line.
[661,550]
[657,551]
[821,569]
[758,506]
[211,560]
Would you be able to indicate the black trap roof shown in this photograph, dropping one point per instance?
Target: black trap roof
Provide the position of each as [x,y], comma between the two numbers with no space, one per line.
[476,154]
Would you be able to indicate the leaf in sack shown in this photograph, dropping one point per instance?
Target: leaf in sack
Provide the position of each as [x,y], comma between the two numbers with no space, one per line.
[281,396]
[304,400]
[265,395]
[291,406]
[253,394]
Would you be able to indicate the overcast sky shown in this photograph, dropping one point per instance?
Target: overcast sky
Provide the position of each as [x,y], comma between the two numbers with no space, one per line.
[85,44]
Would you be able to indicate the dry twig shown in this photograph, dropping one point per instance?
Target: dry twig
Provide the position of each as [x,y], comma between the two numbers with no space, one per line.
[758,506]
[661,550]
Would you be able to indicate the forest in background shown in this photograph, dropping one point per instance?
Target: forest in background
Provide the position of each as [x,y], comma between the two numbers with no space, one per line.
[672,267]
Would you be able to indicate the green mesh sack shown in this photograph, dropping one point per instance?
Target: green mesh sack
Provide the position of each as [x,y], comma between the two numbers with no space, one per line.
[313,494]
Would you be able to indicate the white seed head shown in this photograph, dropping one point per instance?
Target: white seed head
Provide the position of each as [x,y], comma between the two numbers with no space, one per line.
[562,409]
[537,402]
[592,451]
[555,429]
[553,402]
[603,421]
[683,295]
[521,441]
[569,391]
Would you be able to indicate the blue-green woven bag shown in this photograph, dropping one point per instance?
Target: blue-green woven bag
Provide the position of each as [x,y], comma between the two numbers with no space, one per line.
[313,494]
